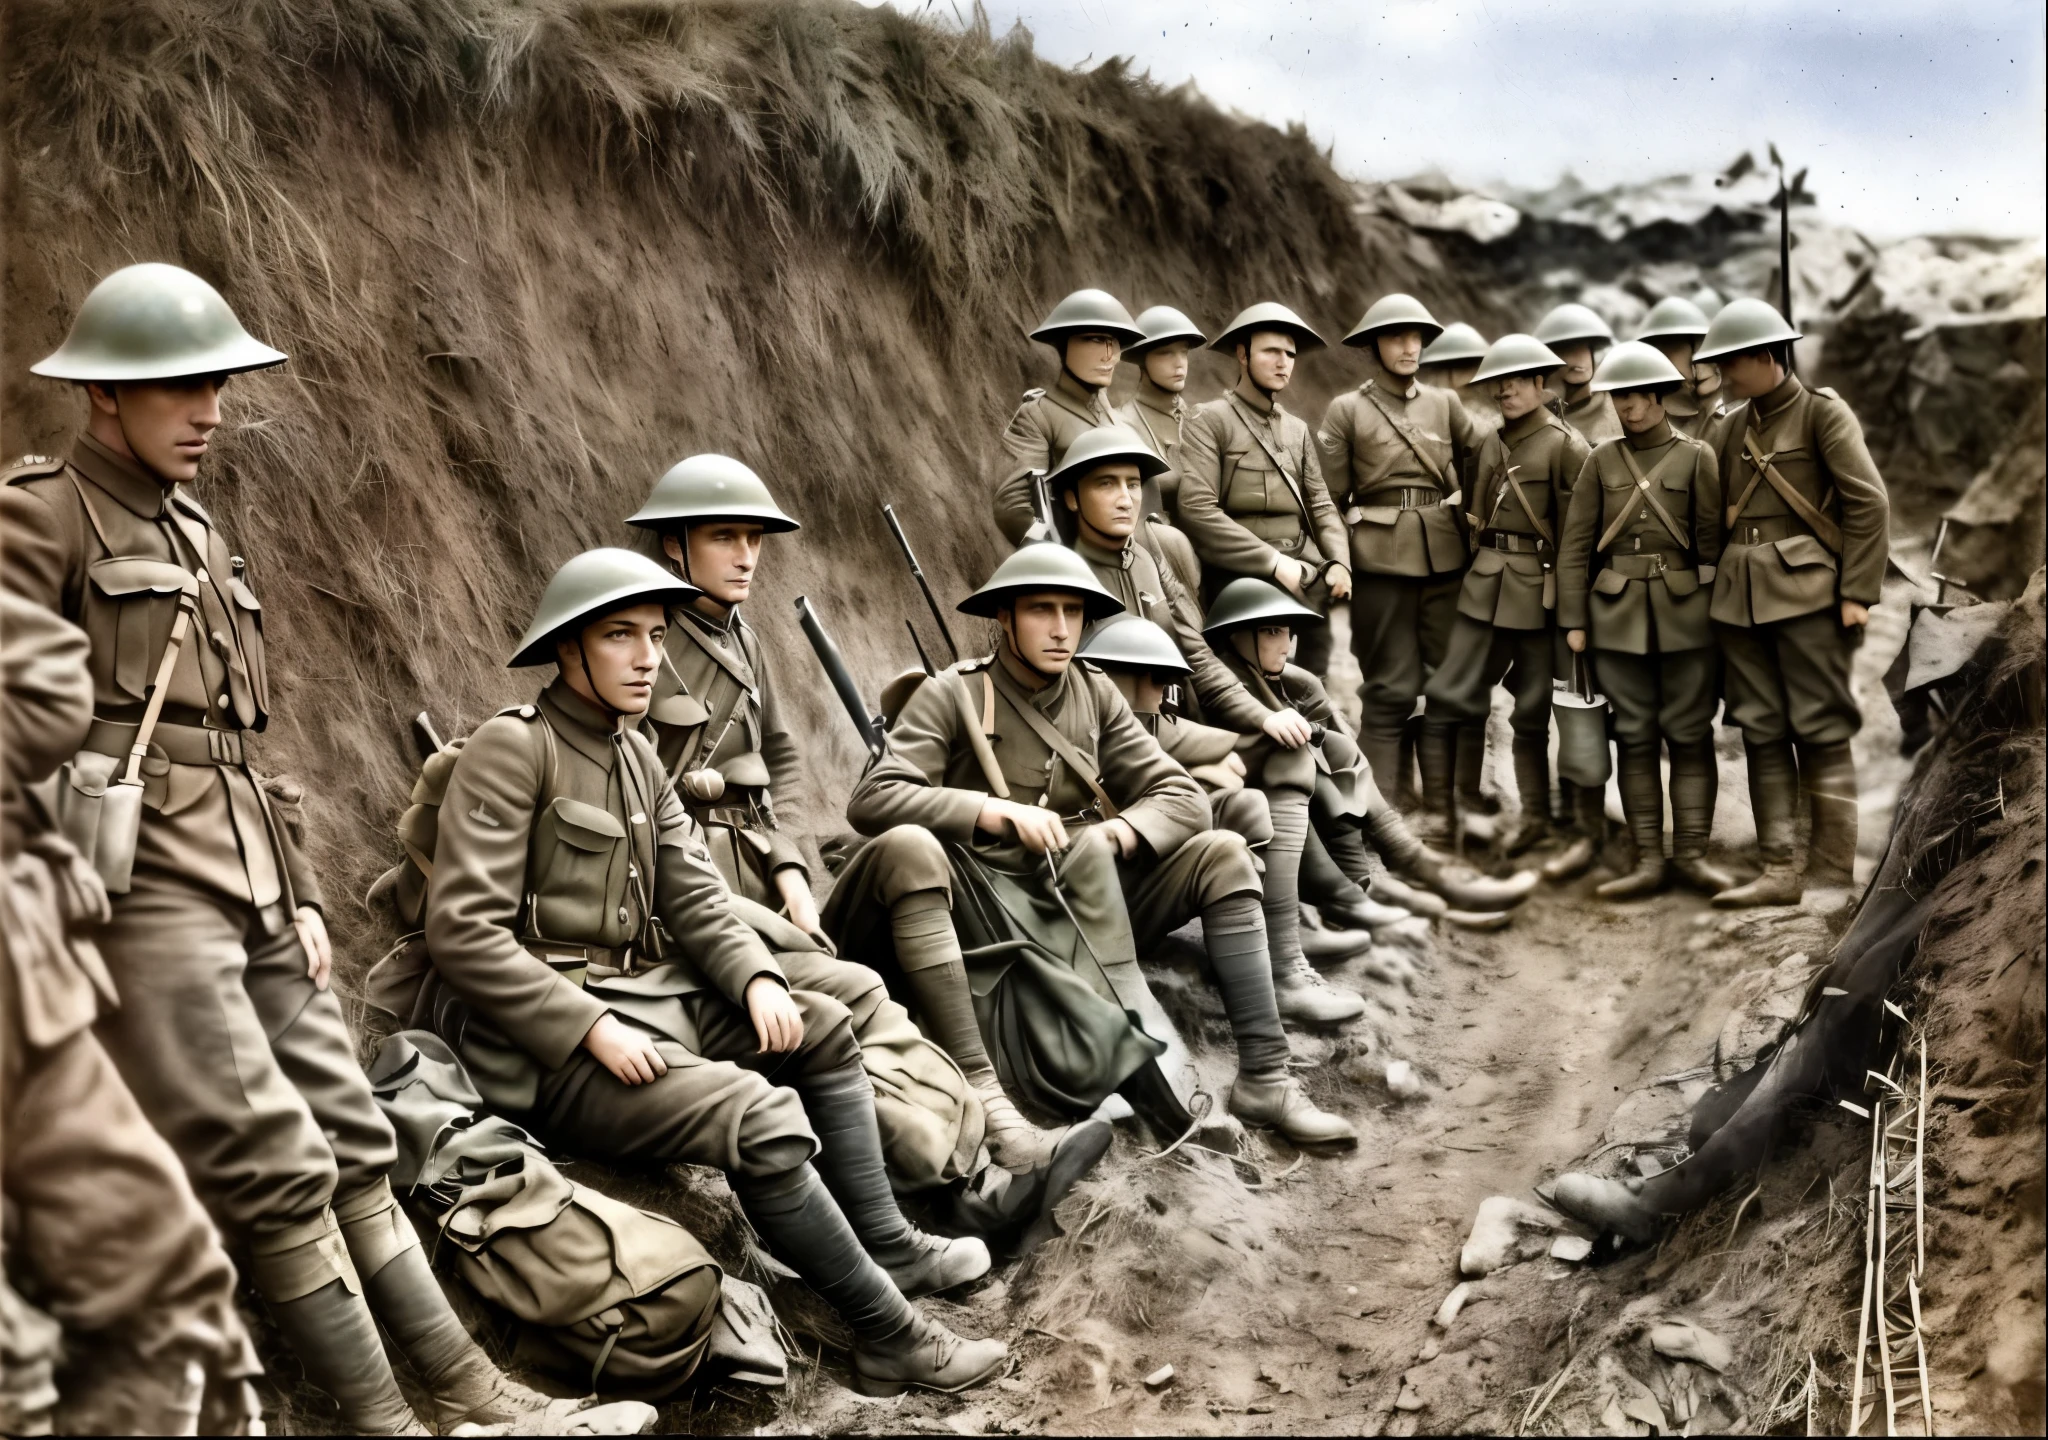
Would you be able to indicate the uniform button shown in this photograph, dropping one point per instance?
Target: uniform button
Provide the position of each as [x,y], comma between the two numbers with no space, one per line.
[622,914]
[225,702]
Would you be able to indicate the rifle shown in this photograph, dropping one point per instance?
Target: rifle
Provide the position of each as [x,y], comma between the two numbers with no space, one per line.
[1045,527]
[918,645]
[917,574]
[841,678]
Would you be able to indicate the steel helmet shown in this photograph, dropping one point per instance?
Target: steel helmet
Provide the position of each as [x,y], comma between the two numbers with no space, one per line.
[1516,355]
[1267,315]
[1101,446]
[1162,325]
[1040,567]
[1395,312]
[710,487]
[154,322]
[1573,325]
[590,587]
[1249,601]
[1085,312]
[1458,344]
[1131,642]
[1636,365]
[1744,325]
[1674,318]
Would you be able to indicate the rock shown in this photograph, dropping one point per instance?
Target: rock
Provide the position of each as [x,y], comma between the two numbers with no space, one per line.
[1402,1081]
[1412,933]
[1683,1340]
[1447,1313]
[1409,1399]
[1571,1248]
[619,1417]
[1159,1378]
[1431,1348]
[1388,966]
[1498,1237]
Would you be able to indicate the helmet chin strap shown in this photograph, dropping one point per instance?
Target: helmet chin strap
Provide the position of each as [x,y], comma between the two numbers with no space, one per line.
[597,695]
[1009,629]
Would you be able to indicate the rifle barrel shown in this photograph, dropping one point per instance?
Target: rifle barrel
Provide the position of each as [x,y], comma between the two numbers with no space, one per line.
[841,678]
[917,573]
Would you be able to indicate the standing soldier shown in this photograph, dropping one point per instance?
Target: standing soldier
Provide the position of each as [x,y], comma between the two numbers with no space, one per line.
[1397,452]
[1450,361]
[1640,542]
[1100,487]
[1073,840]
[1504,628]
[1088,331]
[227,1032]
[1252,497]
[1801,566]
[588,967]
[1157,412]
[1675,326]
[1578,336]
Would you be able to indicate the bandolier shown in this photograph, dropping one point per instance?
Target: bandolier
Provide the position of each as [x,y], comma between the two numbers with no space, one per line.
[1566,329]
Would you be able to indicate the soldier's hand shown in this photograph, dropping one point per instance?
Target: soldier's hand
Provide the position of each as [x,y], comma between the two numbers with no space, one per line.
[1577,640]
[1854,615]
[1123,835]
[1287,729]
[1340,583]
[778,1024]
[1290,575]
[801,906]
[628,1053]
[312,928]
[1038,830]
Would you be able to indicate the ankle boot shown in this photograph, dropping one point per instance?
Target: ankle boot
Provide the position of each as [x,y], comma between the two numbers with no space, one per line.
[1532,781]
[1437,752]
[1642,801]
[1471,763]
[1827,773]
[1695,782]
[925,1355]
[1464,888]
[1275,1101]
[1013,1142]
[1774,794]
[1013,1210]
[335,1339]
[1583,819]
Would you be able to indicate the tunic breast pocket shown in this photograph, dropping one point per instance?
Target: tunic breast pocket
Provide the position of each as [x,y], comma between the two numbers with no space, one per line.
[581,897]
[129,615]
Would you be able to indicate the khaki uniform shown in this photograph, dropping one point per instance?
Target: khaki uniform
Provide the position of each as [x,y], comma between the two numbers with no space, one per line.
[1691,416]
[238,1060]
[1158,415]
[1396,453]
[1779,587]
[715,705]
[1592,415]
[1251,491]
[102,1223]
[1058,1012]
[1037,438]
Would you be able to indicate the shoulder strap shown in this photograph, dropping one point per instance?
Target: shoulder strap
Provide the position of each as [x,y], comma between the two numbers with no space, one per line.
[1828,533]
[1045,730]
[1648,496]
[1522,496]
[92,515]
[1405,429]
[1294,481]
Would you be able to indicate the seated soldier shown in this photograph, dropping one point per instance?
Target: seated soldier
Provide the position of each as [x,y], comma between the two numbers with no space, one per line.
[588,967]
[717,723]
[1099,490]
[1251,626]
[1065,838]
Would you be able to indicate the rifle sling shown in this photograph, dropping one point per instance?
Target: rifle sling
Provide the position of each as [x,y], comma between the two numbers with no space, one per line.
[1642,496]
[1045,730]
[1405,429]
[1824,529]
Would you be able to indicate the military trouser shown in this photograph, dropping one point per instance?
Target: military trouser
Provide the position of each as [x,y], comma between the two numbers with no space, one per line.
[248,1070]
[1790,680]
[1669,697]
[1400,630]
[1481,656]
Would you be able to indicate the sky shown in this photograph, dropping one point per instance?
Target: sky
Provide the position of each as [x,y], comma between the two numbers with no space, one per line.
[1913,117]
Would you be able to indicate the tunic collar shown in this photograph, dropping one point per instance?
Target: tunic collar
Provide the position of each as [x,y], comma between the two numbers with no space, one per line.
[1514,432]
[124,479]
[1120,558]
[1379,377]
[1166,402]
[1768,406]
[1253,396]
[1654,438]
[586,728]
[1080,398]
[1033,686]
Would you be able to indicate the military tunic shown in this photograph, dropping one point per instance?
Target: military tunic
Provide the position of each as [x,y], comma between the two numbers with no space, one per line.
[238,1059]
[1642,597]
[1780,584]
[1592,415]
[1397,453]
[1158,416]
[1038,436]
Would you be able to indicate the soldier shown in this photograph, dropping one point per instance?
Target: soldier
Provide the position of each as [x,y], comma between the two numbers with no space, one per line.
[1647,513]
[1397,452]
[1578,336]
[1504,630]
[1251,627]
[1157,412]
[588,967]
[101,1222]
[1088,331]
[1675,326]
[1450,361]
[227,1032]
[1100,488]
[1802,563]
[1058,811]
[1251,495]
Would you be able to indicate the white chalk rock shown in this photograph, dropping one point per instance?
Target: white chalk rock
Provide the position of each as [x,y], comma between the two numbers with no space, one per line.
[1505,1230]
[1570,1248]
[1402,1081]
[1683,1340]
[1447,1313]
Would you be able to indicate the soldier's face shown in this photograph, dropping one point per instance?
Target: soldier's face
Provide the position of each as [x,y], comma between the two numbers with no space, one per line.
[167,425]
[1638,410]
[1751,373]
[1578,362]
[613,662]
[1093,358]
[1400,350]
[1517,395]
[1268,357]
[1678,350]
[1265,646]
[721,558]
[1042,630]
[1167,366]
[1107,500]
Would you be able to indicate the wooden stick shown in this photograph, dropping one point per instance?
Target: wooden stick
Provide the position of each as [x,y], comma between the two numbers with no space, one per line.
[1884,1325]
[1920,1346]
[1863,1314]
[1919,1182]
[1812,1395]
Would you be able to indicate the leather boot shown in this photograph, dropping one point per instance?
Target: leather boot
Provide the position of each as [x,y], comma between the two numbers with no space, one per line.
[925,1356]
[1642,800]
[335,1339]
[1306,998]
[1582,817]
[1152,1099]
[1774,794]
[1827,773]
[1013,1142]
[1437,753]
[1276,1101]
[1385,757]
[1695,782]
[1532,781]
[1465,888]
[1013,1210]
[1613,1205]
[1471,760]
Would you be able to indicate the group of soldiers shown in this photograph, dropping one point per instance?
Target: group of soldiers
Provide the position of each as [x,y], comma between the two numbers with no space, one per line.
[609,924]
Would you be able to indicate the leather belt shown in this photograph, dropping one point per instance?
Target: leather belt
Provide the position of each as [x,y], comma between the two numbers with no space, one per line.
[181,744]
[573,962]
[1649,563]
[1408,497]
[1511,541]
[1660,544]
[1765,529]
[739,817]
